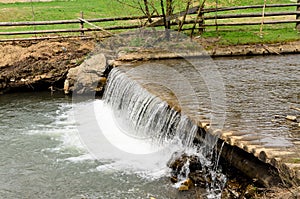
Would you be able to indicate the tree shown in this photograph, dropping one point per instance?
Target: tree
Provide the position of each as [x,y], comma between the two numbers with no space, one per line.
[165,9]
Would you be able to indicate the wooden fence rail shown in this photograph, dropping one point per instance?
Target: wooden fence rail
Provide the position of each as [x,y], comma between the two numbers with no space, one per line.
[141,21]
[208,10]
[244,15]
[254,23]
[74,21]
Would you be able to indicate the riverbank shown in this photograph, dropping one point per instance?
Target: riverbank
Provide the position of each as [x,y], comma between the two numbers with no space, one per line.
[37,65]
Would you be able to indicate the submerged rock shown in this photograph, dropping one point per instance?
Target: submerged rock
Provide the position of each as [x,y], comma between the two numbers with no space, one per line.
[186,185]
[184,170]
[189,171]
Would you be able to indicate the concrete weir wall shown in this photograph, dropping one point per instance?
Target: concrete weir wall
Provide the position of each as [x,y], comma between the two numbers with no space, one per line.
[269,166]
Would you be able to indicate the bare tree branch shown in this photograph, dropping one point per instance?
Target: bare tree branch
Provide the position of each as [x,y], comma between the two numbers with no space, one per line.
[147,10]
[185,14]
[199,16]
[127,4]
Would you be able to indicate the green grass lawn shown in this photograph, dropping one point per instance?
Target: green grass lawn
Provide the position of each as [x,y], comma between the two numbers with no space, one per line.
[63,9]
[251,35]
[71,9]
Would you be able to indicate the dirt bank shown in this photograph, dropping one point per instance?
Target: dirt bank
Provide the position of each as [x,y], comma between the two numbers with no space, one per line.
[254,49]
[36,65]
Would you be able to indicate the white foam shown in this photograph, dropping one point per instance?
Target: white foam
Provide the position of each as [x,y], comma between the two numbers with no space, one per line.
[137,157]
[67,128]
[81,158]
[117,133]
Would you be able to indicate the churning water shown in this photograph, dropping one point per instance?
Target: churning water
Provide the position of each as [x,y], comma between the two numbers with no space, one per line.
[42,155]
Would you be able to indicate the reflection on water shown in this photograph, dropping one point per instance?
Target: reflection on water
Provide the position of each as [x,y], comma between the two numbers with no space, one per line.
[259,93]
[258,89]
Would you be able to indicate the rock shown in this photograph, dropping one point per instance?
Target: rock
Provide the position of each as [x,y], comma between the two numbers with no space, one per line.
[177,161]
[199,178]
[174,179]
[101,82]
[88,77]
[188,182]
[183,188]
[291,118]
[190,167]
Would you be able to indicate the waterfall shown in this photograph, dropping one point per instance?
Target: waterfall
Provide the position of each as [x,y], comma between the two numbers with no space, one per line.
[152,118]
[147,114]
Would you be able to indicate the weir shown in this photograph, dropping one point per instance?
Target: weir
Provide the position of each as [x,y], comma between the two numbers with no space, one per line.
[153,118]
[147,114]
[156,112]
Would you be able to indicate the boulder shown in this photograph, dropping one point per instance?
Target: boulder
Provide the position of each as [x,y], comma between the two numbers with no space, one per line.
[88,77]
[178,161]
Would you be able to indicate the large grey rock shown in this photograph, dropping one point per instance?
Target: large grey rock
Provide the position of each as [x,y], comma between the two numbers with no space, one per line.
[87,77]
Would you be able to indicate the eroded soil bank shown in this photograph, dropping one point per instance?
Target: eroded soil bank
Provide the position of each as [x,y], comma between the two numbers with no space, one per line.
[37,65]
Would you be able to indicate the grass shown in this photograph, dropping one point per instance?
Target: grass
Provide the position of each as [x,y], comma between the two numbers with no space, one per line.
[61,10]
[64,9]
[71,9]
[233,35]
[270,34]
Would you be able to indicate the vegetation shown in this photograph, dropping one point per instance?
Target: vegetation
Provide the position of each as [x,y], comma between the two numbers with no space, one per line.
[71,9]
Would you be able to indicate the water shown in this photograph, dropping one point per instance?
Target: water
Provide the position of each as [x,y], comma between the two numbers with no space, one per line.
[42,155]
[257,90]
[147,114]
[150,117]
[258,94]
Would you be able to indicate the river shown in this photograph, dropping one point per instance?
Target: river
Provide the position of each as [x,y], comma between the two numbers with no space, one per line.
[259,93]
[42,155]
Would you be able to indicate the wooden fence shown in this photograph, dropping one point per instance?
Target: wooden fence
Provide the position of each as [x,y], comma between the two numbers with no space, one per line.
[208,17]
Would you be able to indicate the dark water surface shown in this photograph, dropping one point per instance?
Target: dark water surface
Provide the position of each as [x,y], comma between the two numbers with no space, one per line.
[258,89]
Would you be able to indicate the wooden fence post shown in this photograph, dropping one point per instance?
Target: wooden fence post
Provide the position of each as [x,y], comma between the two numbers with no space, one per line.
[298,17]
[201,24]
[82,24]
